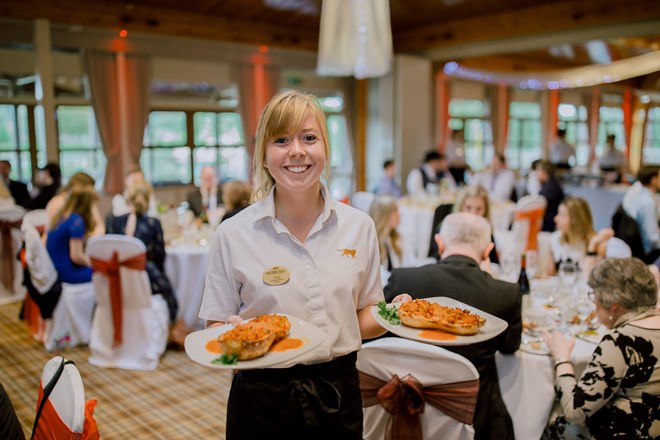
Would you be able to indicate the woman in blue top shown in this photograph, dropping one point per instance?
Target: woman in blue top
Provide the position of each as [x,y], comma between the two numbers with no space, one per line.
[68,230]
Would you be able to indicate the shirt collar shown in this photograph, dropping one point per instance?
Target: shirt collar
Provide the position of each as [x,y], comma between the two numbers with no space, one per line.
[266,207]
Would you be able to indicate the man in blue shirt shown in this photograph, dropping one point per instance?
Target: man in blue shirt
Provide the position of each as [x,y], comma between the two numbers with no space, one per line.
[387,183]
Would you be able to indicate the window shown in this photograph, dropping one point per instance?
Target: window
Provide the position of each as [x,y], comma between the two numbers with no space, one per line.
[524,137]
[652,137]
[471,116]
[217,137]
[610,122]
[15,139]
[79,142]
[219,143]
[574,120]
[341,157]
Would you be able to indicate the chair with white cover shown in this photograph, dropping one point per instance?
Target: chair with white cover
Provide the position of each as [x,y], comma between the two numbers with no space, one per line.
[395,372]
[130,326]
[63,412]
[37,218]
[11,272]
[527,222]
[362,200]
[617,248]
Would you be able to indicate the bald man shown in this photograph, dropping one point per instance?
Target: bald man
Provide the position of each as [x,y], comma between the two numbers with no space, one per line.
[464,242]
[209,194]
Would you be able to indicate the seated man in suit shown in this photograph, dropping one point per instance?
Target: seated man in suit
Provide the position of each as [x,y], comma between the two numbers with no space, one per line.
[209,194]
[464,242]
[19,190]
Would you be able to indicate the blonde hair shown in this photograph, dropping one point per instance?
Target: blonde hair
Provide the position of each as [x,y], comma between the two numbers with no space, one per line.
[580,222]
[285,113]
[138,196]
[469,192]
[381,210]
[79,199]
[235,194]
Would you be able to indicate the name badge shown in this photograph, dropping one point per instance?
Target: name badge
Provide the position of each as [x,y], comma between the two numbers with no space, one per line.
[276,275]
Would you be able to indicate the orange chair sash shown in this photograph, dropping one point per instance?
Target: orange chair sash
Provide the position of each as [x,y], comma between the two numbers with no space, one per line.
[111,270]
[535,217]
[7,253]
[404,399]
[51,426]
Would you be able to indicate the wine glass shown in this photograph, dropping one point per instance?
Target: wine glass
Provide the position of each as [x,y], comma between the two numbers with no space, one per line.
[568,273]
[510,265]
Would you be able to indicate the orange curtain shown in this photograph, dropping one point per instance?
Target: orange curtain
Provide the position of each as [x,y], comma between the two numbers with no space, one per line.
[257,83]
[121,132]
[553,103]
[503,99]
[627,119]
[442,108]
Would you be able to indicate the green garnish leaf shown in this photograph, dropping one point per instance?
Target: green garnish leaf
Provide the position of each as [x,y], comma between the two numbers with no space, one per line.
[226,360]
[389,314]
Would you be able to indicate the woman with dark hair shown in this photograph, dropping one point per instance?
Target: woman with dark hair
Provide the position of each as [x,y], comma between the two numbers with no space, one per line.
[148,230]
[49,180]
[618,394]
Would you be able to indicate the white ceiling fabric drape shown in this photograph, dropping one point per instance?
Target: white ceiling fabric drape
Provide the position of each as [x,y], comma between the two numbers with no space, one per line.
[355,38]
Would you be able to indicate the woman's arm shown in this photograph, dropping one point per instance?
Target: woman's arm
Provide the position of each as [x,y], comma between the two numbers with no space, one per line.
[369,328]
[600,381]
[77,253]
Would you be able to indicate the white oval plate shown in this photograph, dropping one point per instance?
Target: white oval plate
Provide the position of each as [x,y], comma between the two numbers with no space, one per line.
[195,345]
[493,327]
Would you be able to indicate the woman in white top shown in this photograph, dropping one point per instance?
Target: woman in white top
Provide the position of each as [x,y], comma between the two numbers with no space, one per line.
[575,238]
[330,253]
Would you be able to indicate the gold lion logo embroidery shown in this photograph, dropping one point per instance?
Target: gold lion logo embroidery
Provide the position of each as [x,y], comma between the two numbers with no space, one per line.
[348,253]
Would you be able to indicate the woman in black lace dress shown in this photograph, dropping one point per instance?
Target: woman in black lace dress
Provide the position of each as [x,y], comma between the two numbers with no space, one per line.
[148,229]
[618,394]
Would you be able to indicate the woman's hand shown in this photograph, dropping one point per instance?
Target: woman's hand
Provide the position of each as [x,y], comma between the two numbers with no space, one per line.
[600,238]
[404,297]
[560,347]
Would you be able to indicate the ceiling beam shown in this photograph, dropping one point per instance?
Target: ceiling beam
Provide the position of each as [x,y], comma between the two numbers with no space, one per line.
[174,22]
[531,28]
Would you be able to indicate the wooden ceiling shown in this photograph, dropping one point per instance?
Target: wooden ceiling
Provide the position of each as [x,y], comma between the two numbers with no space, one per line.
[511,34]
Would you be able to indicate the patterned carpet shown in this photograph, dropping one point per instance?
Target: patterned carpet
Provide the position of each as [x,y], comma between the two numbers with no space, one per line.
[178,400]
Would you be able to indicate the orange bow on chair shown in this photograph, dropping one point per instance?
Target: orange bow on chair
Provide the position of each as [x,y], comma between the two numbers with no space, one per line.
[7,253]
[111,270]
[404,399]
[534,216]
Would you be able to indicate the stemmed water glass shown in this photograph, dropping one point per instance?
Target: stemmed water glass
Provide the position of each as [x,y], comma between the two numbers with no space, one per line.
[531,263]
[568,273]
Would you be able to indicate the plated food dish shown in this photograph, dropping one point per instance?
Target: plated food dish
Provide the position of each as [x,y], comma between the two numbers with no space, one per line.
[593,335]
[258,343]
[467,324]
[535,346]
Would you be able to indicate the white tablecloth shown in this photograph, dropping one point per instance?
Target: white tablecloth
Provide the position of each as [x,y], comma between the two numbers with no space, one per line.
[185,266]
[527,386]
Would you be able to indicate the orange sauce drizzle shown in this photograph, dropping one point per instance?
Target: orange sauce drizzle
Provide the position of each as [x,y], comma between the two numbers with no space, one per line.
[436,335]
[212,346]
[287,344]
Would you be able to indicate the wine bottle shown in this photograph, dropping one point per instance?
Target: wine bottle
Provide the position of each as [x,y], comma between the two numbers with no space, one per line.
[523,281]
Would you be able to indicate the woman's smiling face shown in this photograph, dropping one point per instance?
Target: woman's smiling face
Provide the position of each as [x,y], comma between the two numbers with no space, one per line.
[297,160]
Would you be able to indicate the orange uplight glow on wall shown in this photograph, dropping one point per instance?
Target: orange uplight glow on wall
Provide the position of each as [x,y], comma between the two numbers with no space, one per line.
[123,33]
[263,48]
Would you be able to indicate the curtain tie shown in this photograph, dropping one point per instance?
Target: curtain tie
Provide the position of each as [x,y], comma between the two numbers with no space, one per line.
[535,216]
[405,398]
[110,269]
[7,252]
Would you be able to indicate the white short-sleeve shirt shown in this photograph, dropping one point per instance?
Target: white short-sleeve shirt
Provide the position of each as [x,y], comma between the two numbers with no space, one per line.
[332,275]
[563,251]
